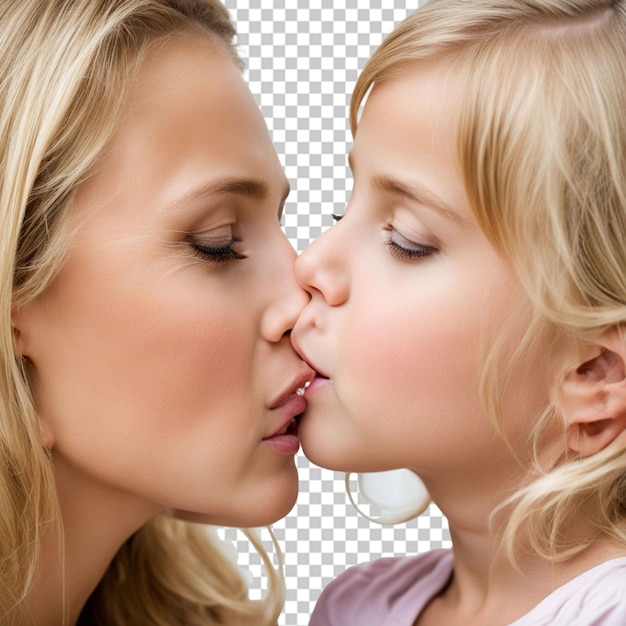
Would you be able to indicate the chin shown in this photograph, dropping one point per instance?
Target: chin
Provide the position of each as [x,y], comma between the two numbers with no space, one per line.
[331,454]
[324,456]
[275,505]
[263,515]
[264,508]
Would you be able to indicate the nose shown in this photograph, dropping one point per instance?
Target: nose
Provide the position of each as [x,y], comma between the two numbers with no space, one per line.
[288,298]
[322,267]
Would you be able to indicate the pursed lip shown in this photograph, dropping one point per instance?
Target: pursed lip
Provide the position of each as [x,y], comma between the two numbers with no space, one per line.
[300,382]
[291,403]
[320,381]
[290,427]
[318,372]
[298,348]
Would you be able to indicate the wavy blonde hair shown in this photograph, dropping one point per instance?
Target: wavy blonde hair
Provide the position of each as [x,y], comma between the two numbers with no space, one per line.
[542,148]
[65,66]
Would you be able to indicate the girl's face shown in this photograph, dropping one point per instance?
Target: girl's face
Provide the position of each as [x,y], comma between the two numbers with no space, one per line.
[162,369]
[405,291]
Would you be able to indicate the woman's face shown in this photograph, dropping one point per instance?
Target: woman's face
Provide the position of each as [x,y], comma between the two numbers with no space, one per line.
[405,290]
[162,368]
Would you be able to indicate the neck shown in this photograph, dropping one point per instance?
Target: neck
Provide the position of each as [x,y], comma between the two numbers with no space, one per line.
[96,521]
[486,588]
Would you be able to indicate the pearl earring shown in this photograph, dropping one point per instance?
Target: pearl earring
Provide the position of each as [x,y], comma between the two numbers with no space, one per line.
[399,494]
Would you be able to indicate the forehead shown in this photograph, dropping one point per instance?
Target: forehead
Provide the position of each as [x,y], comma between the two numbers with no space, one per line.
[190,75]
[408,129]
[188,117]
[422,91]
[175,57]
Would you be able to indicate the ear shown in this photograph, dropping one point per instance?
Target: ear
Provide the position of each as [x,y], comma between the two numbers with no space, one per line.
[593,395]
[18,339]
[20,347]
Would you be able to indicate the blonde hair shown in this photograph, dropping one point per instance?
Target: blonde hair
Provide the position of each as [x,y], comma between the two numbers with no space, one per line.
[65,66]
[542,148]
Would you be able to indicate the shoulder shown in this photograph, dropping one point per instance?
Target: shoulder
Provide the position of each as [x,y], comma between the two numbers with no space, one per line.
[367,593]
[600,595]
[595,598]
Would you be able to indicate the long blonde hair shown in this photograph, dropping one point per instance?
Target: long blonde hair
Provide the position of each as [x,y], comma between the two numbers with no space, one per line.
[65,66]
[542,148]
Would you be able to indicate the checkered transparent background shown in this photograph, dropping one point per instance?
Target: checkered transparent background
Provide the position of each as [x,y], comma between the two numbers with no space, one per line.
[302,60]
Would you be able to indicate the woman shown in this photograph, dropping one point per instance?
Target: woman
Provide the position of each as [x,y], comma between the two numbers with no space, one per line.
[147,300]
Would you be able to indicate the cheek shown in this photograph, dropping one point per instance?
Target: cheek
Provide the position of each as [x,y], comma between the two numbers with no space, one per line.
[407,353]
[150,392]
[198,348]
[187,359]
[143,357]
[409,376]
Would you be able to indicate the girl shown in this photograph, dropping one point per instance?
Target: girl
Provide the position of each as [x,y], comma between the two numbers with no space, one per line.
[467,314]
[146,297]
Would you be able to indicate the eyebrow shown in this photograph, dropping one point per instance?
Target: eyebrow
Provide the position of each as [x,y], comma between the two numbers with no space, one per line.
[416,193]
[245,187]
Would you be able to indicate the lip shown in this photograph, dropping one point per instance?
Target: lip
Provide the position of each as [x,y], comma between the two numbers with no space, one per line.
[285,439]
[319,374]
[289,405]
[287,395]
[319,382]
[288,442]
[293,406]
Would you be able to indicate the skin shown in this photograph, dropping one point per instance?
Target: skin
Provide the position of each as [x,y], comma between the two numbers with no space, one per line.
[160,370]
[407,283]
[406,295]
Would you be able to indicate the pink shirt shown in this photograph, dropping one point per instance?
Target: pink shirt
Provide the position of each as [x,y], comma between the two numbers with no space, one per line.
[394,591]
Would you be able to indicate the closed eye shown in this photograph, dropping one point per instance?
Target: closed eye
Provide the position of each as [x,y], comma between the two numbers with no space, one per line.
[405,249]
[218,254]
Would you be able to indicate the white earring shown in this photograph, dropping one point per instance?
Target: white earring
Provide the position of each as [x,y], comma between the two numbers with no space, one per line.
[399,494]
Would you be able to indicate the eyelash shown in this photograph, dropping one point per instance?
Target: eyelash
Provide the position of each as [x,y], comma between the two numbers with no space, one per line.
[218,254]
[409,251]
